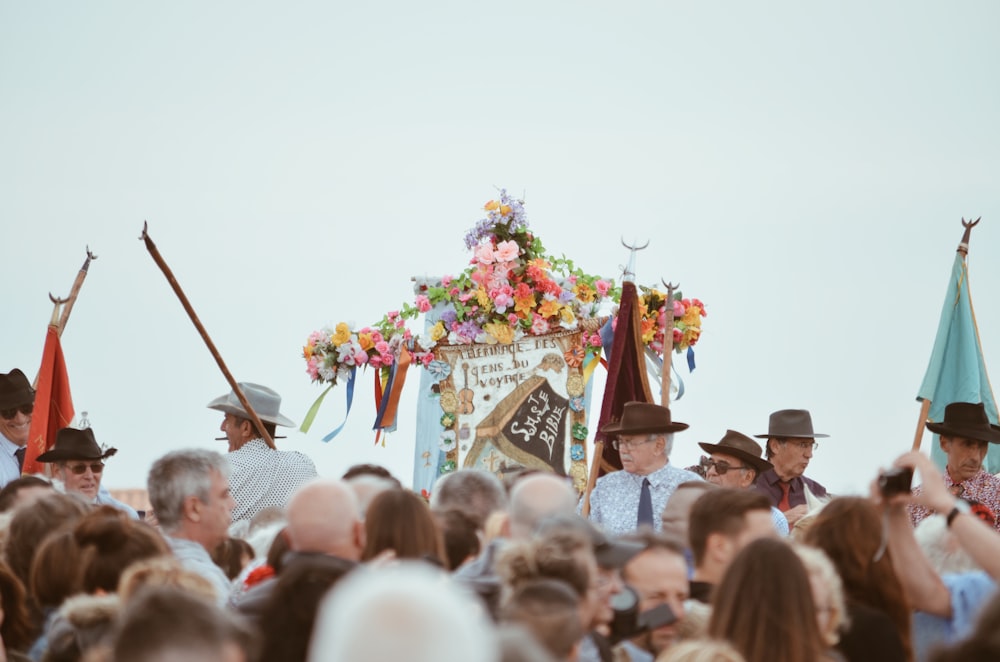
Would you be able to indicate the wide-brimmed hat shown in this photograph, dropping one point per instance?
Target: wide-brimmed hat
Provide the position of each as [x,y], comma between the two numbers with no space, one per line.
[73,444]
[790,423]
[15,389]
[264,401]
[739,446]
[643,418]
[965,419]
[609,552]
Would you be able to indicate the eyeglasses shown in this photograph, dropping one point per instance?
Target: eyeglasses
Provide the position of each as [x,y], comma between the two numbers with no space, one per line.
[8,414]
[721,466]
[618,444]
[80,469]
[802,445]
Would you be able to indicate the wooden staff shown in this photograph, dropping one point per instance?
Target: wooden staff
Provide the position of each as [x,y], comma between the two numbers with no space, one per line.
[151,247]
[668,344]
[77,284]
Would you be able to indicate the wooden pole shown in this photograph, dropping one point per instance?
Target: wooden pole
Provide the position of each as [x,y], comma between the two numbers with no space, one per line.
[925,408]
[668,344]
[77,284]
[151,247]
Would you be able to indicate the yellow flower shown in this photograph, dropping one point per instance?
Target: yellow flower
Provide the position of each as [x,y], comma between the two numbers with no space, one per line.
[584,292]
[549,307]
[307,351]
[341,335]
[491,205]
[503,333]
[483,298]
[524,304]
[365,340]
[567,315]
[504,210]
[692,316]
[438,332]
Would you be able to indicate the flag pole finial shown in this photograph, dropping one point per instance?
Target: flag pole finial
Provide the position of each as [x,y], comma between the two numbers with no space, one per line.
[628,273]
[963,246]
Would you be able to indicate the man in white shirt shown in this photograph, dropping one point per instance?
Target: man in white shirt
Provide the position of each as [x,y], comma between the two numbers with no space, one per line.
[17,401]
[260,476]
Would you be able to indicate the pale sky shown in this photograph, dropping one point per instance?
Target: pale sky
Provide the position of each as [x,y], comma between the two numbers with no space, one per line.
[800,167]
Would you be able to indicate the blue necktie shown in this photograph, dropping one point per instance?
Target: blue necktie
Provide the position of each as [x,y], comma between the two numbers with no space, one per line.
[19,454]
[645,506]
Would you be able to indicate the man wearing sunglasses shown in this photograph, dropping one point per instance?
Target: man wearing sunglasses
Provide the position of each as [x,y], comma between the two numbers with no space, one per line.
[78,461]
[17,401]
[736,462]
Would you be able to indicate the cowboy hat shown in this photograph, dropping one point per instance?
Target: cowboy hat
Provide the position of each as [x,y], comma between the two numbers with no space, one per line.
[739,446]
[264,401]
[15,389]
[965,419]
[643,418]
[790,423]
[73,444]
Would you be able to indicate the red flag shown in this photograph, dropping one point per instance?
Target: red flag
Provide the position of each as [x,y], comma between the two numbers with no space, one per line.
[53,403]
[627,380]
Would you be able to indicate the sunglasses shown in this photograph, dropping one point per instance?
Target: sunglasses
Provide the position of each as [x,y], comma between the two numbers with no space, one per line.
[80,469]
[8,414]
[721,466]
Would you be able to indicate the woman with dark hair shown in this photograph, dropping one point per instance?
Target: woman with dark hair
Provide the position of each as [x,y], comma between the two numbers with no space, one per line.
[849,530]
[401,521]
[16,627]
[764,606]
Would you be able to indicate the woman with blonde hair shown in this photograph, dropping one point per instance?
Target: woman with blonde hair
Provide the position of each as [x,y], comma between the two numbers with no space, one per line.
[701,650]
[828,592]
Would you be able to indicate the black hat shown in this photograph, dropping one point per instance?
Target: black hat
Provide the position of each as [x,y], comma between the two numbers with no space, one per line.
[609,552]
[73,444]
[15,390]
[965,419]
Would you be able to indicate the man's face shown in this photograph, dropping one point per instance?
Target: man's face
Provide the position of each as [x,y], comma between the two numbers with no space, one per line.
[965,457]
[641,454]
[608,585]
[739,476]
[16,427]
[232,426]
[82,476]
[217,513]
[790,457]
[659,576]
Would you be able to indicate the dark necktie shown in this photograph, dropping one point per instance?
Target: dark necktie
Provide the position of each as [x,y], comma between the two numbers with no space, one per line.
[645,505]
[783,505]
[19,454]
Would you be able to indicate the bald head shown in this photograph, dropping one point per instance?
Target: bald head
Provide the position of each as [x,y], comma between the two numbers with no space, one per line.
[536,497]
[323,516]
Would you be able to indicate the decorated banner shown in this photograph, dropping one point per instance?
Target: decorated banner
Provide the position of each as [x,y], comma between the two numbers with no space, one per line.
[508,349]
[504,407]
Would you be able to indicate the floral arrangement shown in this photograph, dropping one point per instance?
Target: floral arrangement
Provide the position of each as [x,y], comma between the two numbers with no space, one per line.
[511,289]
[687,319]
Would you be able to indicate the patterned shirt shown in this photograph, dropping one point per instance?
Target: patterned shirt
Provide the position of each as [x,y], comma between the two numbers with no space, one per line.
[984,487]
[614,501]
[260,477]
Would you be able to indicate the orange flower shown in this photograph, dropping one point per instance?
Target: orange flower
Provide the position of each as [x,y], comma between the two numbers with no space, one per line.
[549,307]
[491,205]
[365,340]
[574,357]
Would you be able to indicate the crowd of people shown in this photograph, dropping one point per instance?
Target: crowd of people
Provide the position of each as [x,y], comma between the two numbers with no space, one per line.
[251,555]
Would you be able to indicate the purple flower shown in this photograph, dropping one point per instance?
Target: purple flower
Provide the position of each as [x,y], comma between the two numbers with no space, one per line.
[449,317]
[469,329]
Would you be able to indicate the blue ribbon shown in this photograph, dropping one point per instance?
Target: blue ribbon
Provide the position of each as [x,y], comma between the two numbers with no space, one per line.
[690,359]
[350,401]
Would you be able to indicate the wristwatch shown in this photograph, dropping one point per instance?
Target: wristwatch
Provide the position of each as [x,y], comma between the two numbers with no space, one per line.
[961,507]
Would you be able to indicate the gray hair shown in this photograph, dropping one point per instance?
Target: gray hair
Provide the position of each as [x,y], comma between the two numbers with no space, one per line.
[179,475]
[475,492]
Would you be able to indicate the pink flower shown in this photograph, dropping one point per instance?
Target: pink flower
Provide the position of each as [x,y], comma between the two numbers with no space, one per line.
[381,347]
[446,281]
[484,254]
[313,369]
[513,319]
[427,358]
[602,286]
[375,361]
[538,325]
[595,340]
[423,303]
[453,292]
[679,308]
[678,335]
[507,251]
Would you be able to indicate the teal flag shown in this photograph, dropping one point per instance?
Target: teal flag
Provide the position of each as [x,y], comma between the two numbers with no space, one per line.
[957,371]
